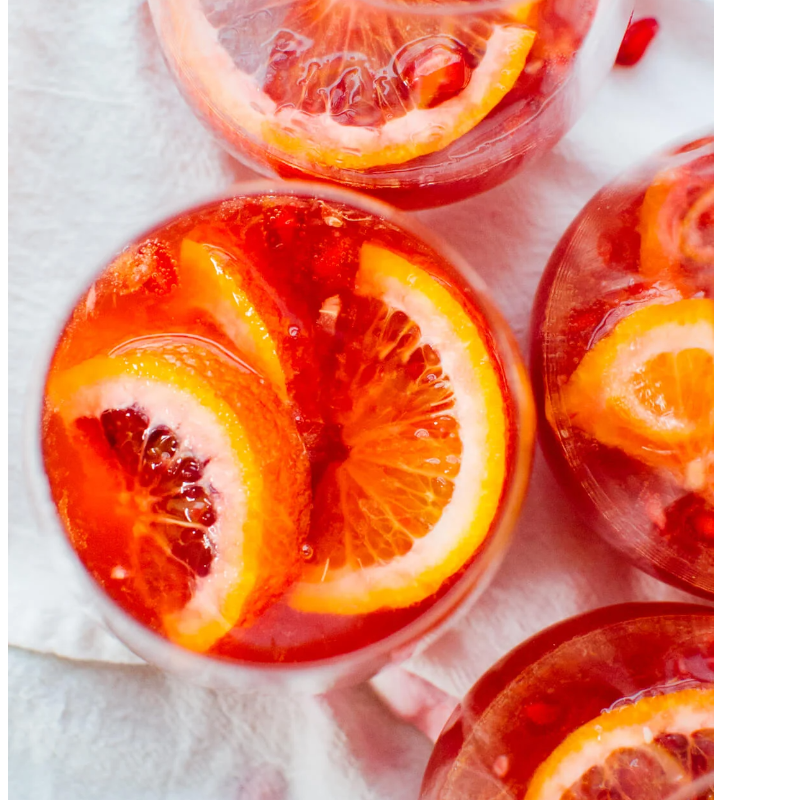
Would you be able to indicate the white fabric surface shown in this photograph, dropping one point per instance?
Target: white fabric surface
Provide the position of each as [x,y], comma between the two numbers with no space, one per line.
[100,145]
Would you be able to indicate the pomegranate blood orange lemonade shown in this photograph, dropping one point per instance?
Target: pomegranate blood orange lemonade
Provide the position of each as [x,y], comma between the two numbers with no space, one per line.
[624,364]
[616,703]
[420,101]
[282,427]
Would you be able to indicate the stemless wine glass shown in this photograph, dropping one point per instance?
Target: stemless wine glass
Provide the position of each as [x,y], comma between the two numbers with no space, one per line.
[421,102]
[623,364]
[272,342]
[618,702]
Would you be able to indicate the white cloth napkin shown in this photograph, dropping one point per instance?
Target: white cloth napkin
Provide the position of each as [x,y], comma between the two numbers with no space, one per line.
[101,144]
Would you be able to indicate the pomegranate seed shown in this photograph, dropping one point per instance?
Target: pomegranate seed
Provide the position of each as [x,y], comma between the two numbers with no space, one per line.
[636,41]
[433,69]
[691,519]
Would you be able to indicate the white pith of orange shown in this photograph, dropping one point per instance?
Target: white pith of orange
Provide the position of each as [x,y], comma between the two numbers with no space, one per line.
[479,409]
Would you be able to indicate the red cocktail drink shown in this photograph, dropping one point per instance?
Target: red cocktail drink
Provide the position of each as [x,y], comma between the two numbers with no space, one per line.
[420,102]
[282,427]
[614,703]
[623,363]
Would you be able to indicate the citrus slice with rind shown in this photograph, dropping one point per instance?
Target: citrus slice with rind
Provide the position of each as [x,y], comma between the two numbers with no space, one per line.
[677,227]
[182,483]
[420,404]
[384,120]
[646,750]
[202,284]
[648,388]
[208,281]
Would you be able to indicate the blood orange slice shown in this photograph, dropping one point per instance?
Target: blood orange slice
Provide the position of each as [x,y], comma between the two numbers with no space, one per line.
[343,83]
[182,482]
[677,227]
[647,750]
[418,400]
[648,389]
[263,301]
[203,287]
[208,281]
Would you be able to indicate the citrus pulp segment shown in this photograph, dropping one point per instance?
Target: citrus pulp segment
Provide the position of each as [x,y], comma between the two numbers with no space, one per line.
[384,121]
[199,484]
[644,750]
[423,416]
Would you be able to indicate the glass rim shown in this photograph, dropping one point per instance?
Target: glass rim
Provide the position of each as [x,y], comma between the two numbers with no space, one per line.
[419,7]
[419,632]
[584,623]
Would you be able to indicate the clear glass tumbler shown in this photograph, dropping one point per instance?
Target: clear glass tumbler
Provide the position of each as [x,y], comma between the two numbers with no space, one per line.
[618,702]
[623,364]
[284,435]
[416,101]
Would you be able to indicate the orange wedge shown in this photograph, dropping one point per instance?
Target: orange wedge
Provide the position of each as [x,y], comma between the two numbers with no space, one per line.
[647,750]
[208,281]
[421,409]
[182,482]
[348,84]
[648,389]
